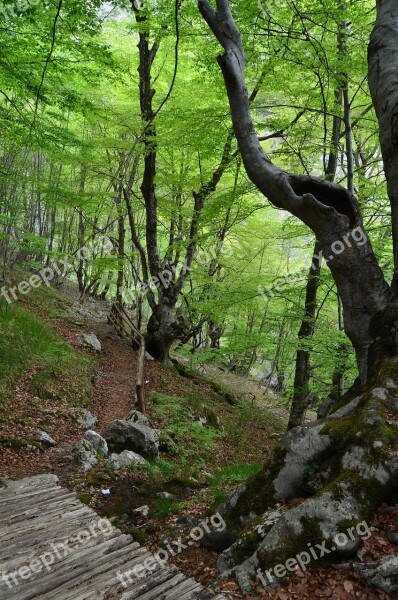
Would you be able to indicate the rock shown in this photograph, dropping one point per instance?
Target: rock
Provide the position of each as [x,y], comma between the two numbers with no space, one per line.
[384,575]
[165,495]
[392,537]
[217,541]
[224,562]
[346,409]
[84,453]
[142,510]
[45,440]
[85,418]
[209,417]
[330,515]
[303,445]
[98,442]
[355,460]
[148,356]
[126,435]
[136,416]
[390,384]
[90,340]
[123,460]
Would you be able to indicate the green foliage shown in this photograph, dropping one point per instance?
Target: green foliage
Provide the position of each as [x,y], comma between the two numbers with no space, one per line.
[194,441]
[230,475]
[167,507]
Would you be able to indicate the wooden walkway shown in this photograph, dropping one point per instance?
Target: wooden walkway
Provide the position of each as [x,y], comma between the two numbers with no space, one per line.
[53,547]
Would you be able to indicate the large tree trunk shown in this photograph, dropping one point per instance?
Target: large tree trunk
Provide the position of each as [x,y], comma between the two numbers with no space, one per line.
[341,468]
[165,326]
[330,210]
[383,66]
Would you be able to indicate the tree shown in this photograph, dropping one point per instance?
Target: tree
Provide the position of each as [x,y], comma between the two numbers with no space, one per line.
[345,465]
[330,210]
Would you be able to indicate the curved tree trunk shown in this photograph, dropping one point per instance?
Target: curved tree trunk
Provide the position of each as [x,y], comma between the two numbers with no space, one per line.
[330,210]
[340,469]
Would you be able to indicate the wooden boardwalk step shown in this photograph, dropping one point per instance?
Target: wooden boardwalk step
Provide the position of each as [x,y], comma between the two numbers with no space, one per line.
[53,546]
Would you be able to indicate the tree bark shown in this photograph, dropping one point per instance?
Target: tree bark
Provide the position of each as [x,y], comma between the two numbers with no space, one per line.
[383,66]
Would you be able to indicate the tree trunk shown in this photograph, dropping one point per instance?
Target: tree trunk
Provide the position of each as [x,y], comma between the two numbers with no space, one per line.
[120,251]
[302,371]
[164,327]
[330,210]
[383,65]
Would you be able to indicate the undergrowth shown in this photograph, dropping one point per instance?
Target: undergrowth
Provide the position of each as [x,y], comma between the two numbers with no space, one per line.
[29,342]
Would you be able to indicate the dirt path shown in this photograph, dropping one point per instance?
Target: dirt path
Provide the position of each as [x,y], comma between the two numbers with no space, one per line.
[113,394]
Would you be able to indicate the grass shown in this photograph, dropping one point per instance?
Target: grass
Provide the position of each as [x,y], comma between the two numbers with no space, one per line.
[194,442]
[28,341]
[220,458]
[230,475]
[167,507]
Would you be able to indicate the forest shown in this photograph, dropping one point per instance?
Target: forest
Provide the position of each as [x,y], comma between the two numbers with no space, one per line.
[199,267]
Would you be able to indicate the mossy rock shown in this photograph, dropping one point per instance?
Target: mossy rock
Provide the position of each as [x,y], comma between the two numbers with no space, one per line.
[342,467]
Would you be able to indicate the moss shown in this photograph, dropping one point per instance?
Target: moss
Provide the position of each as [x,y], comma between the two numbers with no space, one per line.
[96,477]
[249,539]
[368,492]
[293,544]
[138,535]
[85,498]
[260,490]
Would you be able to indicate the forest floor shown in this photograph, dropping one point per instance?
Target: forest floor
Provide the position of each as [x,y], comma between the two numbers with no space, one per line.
[45,372]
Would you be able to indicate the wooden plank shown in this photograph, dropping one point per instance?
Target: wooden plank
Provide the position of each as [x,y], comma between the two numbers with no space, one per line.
[12,485]
[24,515]
[31,524]
[157,592]
[18,552]
[36,493]
[13,509]
[71,568]
[37,515]
[100,573]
